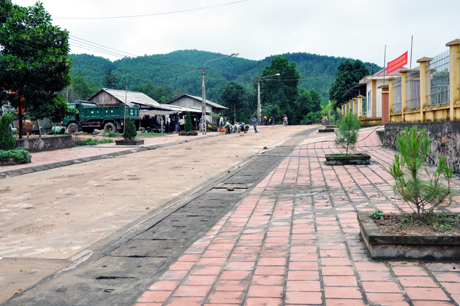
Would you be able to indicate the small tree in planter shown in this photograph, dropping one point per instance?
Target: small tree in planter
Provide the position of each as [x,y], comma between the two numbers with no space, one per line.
[347,135]
[129,135]
[188,122]
[7,141]
[9,154]
[130,130]
[422,195]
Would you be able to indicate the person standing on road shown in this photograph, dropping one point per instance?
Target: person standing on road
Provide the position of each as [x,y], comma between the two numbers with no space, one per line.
[255,124]
[273,121]
[221,121]
[285,121]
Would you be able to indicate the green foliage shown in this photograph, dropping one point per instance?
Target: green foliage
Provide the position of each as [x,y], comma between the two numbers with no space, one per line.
[376,214]
[422,195]
[130,129]
[188,122]
[236,97]
[347,134]
[106,140]
[193,133]
[79,89]
[19,153]
[281,90]
[33,58]
[7,141]
[348,75]
[152,134]
[91,142]
[317,72]
[110,80]
[55,111]
[111,134]
[159,93]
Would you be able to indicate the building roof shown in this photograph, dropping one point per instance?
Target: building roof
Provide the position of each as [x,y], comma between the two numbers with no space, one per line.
[382,75]
[355,91]
[132,97]
[212,104]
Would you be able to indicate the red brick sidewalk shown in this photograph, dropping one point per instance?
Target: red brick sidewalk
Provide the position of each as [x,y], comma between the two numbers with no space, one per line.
[294,240]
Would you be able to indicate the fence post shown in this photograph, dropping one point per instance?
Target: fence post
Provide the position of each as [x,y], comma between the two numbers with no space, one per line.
[403,93]
[385,114]
[354,106]
[390,98]
[360,106]
[454,77]
[423,86]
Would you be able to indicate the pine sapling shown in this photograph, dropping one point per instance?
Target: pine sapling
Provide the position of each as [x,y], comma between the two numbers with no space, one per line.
[423,195]
[347,134]
[130,129]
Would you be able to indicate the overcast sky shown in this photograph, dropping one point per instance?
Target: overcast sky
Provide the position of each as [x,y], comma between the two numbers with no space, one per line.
[260,28]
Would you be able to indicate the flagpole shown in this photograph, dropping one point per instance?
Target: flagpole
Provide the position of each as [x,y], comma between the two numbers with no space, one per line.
[411,46]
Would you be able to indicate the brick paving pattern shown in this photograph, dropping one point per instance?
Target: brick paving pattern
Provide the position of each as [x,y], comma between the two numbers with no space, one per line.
[294,240]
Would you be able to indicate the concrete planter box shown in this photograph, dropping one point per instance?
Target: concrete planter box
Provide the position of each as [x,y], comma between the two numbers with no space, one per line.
[411,246]
[11,161]
[46,143]
[328,130]
[361,159]
[127,142]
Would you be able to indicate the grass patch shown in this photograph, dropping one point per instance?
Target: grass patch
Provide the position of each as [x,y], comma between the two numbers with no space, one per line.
[152,134]
[346,155]
[111,134]
[91,142]
[19,153]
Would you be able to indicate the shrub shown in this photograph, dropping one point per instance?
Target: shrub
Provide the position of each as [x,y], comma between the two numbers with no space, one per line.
[19,153]
[347,134]
[106,140]
[111,134]
[130,130]
[7,141]
[192,133]
[422,195]
[188,122]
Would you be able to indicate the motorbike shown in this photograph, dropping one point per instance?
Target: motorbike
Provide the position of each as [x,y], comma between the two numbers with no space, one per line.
[228,128]
[242,127]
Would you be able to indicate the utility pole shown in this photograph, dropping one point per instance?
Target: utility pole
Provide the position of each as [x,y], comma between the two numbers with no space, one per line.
[126,101]
[259,107]
[203,98]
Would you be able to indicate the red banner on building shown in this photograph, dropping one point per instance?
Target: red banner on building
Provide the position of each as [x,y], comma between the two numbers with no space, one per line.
[397,63]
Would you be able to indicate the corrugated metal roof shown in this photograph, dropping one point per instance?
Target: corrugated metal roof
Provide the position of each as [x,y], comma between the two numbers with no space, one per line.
[133,97]
[213,104]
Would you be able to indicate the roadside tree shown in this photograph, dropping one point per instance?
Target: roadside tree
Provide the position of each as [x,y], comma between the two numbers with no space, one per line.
[34,59]
[348,75]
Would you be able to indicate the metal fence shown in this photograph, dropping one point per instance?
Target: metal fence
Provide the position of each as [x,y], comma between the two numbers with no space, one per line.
[397,92]
[378,106]
[369,106]
[413,89]
[437,80]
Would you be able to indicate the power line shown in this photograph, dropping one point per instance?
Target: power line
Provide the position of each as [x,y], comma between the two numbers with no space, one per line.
[85,44]
[154,14]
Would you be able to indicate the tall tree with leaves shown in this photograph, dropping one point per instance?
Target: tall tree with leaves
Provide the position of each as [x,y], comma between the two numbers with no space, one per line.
[110,80]
[348,75]
[234,96]
[282,90]
[34,59]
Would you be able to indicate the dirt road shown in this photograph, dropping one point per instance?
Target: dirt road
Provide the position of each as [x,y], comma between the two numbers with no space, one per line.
[51,218]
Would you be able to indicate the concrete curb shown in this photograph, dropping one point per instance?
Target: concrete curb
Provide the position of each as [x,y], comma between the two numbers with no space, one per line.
[76,161]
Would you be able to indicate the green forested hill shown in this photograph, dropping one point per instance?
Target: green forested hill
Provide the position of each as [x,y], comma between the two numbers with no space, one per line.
[178,70]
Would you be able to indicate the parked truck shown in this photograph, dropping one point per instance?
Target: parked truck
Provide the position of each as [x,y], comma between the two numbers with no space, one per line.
[89,116]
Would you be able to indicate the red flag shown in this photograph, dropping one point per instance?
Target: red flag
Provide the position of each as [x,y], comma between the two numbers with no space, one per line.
[397,63]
